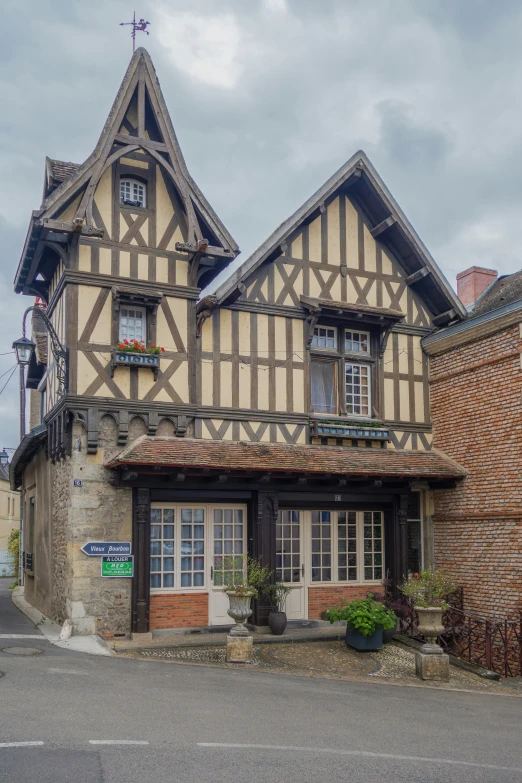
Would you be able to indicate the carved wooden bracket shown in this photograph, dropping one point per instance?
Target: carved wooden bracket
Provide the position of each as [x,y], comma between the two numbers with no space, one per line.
[204,311]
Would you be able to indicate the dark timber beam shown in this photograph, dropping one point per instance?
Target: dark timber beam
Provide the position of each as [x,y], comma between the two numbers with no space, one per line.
[420,274]
[382,227]
[122,138]
[444,318]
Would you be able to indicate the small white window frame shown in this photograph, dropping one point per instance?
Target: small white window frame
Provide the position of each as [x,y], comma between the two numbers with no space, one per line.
[352,412]
[359,334]
[124,307]
[330,333]
[133,186]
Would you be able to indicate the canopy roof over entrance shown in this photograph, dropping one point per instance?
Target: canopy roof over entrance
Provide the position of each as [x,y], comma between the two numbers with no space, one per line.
[282,458]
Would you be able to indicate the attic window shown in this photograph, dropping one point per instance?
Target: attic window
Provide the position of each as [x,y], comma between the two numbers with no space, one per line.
[132,193]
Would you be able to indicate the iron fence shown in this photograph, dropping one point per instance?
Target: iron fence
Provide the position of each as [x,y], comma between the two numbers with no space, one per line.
[495,644]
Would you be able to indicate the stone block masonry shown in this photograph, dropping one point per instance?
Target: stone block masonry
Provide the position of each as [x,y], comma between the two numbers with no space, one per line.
[476,402]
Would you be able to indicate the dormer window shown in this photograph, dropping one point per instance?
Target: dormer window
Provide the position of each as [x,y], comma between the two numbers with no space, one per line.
[133,193]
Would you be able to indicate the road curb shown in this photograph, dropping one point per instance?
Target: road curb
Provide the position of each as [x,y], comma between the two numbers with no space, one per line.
[93,645]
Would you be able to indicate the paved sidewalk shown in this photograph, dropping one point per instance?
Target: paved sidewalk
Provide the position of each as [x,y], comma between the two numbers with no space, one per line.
[328,659]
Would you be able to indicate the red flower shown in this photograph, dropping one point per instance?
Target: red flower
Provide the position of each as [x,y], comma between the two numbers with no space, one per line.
[126,342]
[163,349]
[152,346]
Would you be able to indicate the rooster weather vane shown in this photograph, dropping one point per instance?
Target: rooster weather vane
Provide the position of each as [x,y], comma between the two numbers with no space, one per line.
[137,27]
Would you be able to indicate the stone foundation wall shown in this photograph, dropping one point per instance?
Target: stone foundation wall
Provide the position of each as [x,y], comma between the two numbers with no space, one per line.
[98,512]
[61,502]
[178,610]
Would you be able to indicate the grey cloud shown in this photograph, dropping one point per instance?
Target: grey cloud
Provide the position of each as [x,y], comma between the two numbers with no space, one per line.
[429,90]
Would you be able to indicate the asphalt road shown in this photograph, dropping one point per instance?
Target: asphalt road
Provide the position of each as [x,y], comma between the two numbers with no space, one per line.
[202,725]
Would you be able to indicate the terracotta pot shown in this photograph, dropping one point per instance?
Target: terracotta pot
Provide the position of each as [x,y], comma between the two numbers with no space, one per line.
[430,622]
[277,622]
[240,610]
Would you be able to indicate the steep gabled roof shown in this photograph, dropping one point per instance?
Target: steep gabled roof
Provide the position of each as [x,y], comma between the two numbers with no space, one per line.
[66,181]
[56,172]
[373,198]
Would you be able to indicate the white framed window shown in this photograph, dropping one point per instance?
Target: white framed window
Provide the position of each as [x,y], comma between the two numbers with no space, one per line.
[358,389]
[133,323]
[133,193]
[324,386]
[288,547]
[325,337]
[356,342]
[347,546]
[177,547]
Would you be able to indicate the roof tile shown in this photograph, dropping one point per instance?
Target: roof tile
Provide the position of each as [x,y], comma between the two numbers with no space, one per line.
[279,457]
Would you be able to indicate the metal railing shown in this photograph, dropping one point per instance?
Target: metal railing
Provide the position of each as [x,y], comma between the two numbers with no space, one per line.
[495,644]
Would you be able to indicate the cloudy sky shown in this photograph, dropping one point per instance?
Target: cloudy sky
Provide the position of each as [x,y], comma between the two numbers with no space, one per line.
[269,98]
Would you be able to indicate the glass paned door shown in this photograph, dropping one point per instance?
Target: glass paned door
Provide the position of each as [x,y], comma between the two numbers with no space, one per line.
[290,561]
[227,539]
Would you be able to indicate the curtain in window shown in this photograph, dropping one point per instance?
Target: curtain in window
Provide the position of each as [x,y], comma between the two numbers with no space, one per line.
[323,387]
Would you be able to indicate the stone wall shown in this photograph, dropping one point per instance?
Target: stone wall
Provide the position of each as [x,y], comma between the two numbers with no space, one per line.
[61,570]
[98,512]
[477,420]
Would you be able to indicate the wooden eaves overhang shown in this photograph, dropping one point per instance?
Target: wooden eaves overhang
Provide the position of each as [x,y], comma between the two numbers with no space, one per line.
[360,181]
[186,459]
[210,246]
[383,317]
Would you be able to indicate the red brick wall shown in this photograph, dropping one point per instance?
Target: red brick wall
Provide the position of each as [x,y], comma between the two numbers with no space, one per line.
[476,410]
[178,610]
[322,598]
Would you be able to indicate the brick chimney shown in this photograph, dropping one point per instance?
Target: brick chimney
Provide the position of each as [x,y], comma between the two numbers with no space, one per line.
[473,282]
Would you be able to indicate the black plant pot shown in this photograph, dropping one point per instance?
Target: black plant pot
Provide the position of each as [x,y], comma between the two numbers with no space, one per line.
[277,622]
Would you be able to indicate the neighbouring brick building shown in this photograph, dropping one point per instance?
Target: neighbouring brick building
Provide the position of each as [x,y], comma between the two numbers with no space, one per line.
[476,406]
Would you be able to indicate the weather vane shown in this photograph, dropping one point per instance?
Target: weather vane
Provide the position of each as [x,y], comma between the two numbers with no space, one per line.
[137,27]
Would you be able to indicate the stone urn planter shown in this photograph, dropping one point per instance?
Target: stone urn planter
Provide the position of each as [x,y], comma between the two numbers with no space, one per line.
[430,623]
[240,610]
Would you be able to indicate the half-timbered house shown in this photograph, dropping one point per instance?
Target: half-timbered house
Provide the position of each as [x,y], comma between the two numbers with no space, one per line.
[287,416]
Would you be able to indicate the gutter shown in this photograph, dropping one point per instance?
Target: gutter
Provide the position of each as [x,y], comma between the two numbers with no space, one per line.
[469,323]
[27,448]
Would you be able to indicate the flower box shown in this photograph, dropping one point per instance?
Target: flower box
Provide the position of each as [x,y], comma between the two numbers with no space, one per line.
[340,429]
[127,359]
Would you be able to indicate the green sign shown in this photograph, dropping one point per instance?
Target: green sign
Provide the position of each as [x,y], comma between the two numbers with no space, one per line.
[117,566]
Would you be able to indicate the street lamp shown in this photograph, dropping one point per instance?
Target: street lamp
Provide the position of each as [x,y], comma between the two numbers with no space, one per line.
[24,350]
[4,457]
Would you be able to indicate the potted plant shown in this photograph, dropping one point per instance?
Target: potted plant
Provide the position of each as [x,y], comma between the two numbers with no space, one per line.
[428,590]
[277,619]
[365,620]
[242,577]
